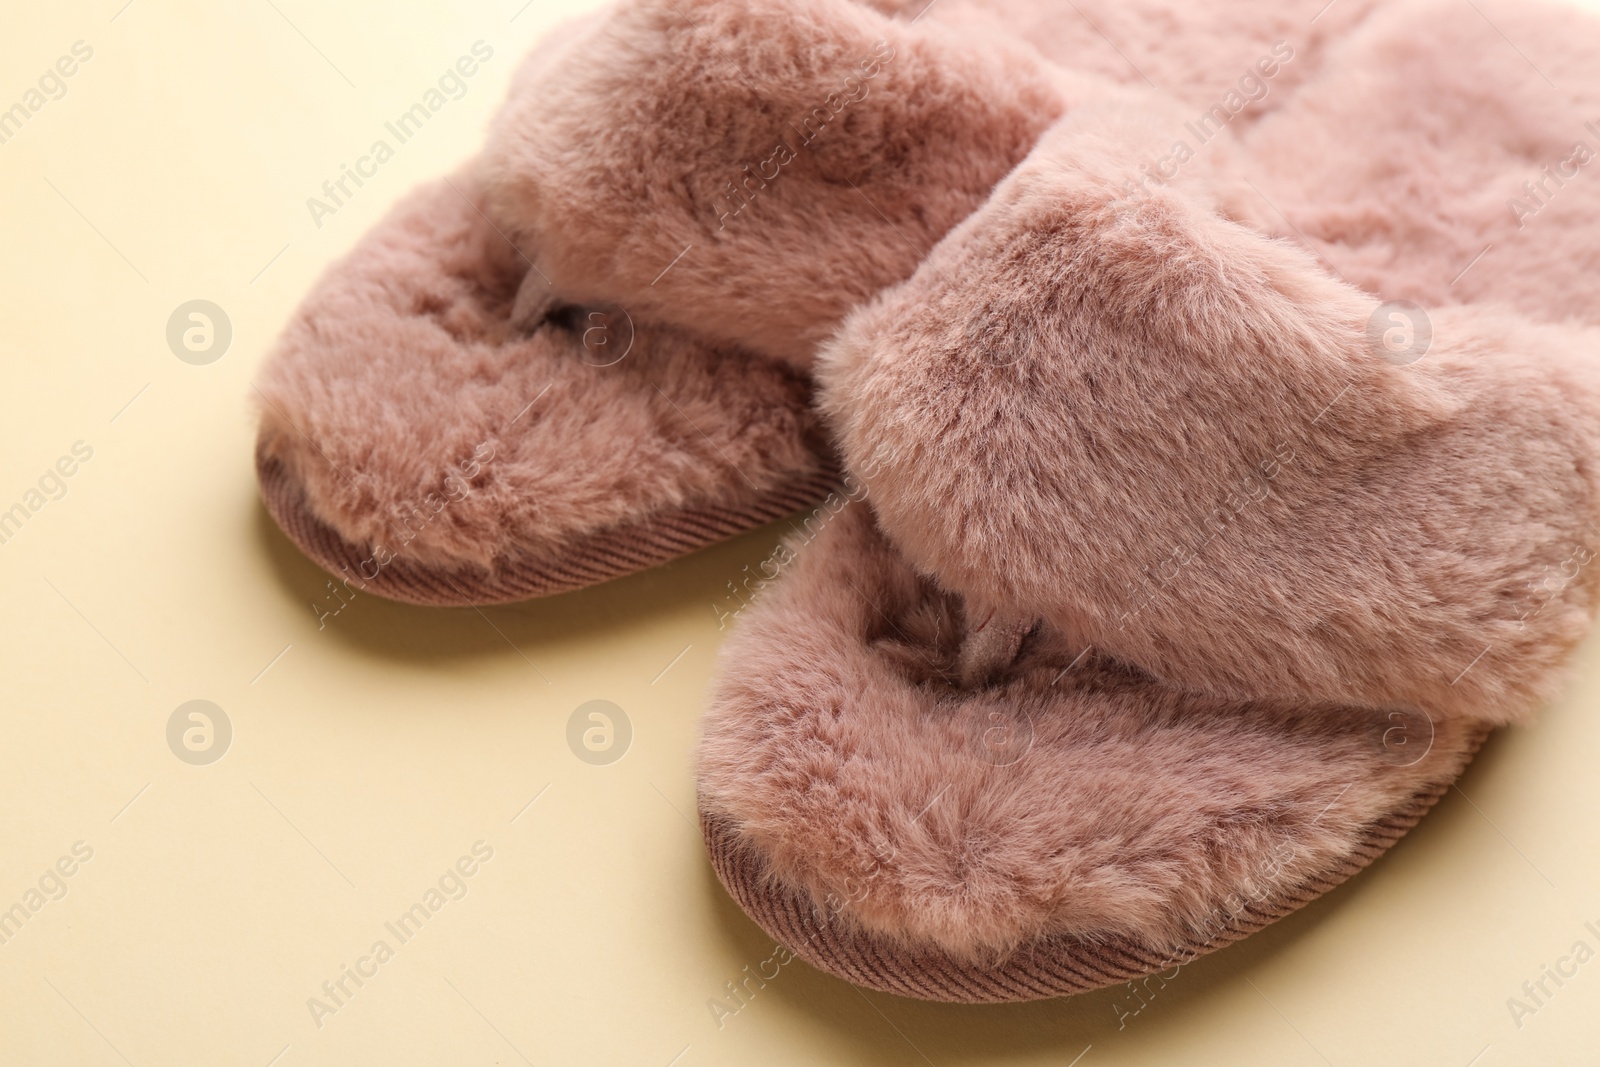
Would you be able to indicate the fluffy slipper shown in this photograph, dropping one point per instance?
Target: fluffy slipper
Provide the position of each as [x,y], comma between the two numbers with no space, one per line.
[751,170]
[1067,824]
[669,408]
[418,446]
[1186,599]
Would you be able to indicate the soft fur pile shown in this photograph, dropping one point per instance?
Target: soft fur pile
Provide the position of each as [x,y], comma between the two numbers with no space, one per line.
[1220,532]
[1170,583]
[1185,450]
[849,758]
[752,170]
[400,398]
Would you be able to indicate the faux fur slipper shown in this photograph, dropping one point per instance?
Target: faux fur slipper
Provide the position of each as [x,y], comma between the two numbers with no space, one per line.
[418,446]
[521,382]
[750,170]
[1183,600]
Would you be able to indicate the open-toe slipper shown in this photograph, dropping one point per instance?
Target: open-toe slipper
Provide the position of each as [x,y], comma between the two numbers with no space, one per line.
[418,446]
[582,357]
[1069,824]
[1177,594]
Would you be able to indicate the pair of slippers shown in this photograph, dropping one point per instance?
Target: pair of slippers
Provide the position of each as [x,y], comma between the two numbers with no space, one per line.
[1204,463]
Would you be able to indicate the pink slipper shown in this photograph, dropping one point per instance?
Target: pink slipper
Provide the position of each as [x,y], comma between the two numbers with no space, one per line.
[419,447]
[750,170]
[430,435]
[1182,594]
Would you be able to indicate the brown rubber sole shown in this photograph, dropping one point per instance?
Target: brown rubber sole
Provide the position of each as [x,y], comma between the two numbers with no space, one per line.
[1051,966]
[609,553]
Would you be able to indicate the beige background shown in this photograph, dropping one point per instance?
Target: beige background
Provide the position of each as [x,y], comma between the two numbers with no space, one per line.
[370,754]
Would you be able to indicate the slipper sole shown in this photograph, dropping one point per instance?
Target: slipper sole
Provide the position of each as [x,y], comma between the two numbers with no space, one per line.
[1049,966]
[606,554]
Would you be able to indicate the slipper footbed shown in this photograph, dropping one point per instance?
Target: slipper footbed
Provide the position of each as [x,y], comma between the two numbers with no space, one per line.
[403,415]
[1073,798]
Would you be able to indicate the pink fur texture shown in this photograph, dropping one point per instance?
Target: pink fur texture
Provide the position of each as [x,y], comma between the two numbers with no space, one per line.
[418,419]
[1431,160]
[1176,440]
[1152,498]
[752,169]
[840,743]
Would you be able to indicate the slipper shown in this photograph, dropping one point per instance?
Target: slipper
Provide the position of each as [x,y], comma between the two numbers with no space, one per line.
[750,170]
[418,447]
[1174,600]
[1069,825]
[443,424]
